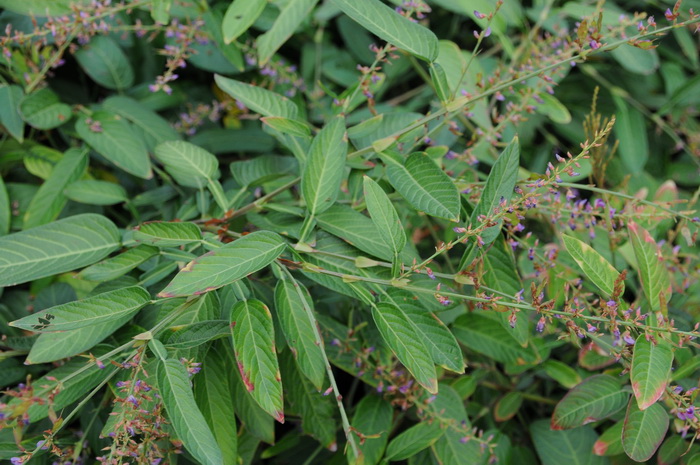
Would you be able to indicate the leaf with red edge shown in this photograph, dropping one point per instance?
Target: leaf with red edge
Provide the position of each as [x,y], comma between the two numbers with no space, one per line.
[595,398]
[652,271]
[651,370]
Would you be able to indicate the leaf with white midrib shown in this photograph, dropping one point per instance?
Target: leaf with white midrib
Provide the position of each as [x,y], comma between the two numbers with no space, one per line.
[593,264]
[191,166]
[258,99]
[652,272]
[289,19]
[595,398]
[643,431]
[384,216]
[167,234]
[570,447]
[651,370]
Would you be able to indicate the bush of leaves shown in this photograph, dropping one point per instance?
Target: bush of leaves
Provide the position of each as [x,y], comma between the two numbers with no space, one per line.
[349,231]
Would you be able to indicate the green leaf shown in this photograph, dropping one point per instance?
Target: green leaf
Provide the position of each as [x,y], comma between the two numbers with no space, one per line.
[100,309]
[240,15]
[198,333]
[5,211]
[253,337]
[119,265]
[572,447]
[643,431]
[105,63]
[167,234]
[185,417]
[635,60]
[388,25]
[43,109]
[487,336]
[499,185]
[398,331]
[190,165]
[212,392]
[324,171]
[424,185]
[610,442]
[41,7]
[10,96]
[289,19]
[671,450]
[552,108]
[226,264]
[561,373]
[160,11]
[115,139]
[507,406]
[384,216]
[439,78]
[441,344]
[253,418]
[287,126]
[299,330]
[652,271]
[54,248]
[49,200]
[153,127]
[413,440]
[631,132]
[373,416]
[260,100]
[597,397]
[158,349]
[262,169]
[94,192]
[651,370]
[594,265]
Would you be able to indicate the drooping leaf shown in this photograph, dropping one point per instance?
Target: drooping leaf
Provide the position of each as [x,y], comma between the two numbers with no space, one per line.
[105,63]
[298,329]
[398,331]
[53,248]
[10,96]
[652,271]
[413,440]
[198,333]
[120,265]
[392,27]
[573,447]
[643,431]
[260,100]
[153,127]
[190,165]
[287,126]
[320,181]
[226,264]
[594,265]
[185,417]
[94,192]
[424,185]
[254,345]
[651,370]
[240,15]
[44,110]
[597,397]
[100,309]
[289,19]
[487,336]
[213,394]
[113,138]
[384,216]
[167,234]
[372,417]
[49,200]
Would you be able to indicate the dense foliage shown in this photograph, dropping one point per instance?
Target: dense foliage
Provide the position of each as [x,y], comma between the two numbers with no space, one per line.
[305,232]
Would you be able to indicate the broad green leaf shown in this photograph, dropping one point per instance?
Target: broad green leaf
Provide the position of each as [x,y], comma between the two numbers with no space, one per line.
[384,216]
[260,100]
[44,110]
[115,139]
[610,442]
[198,333]
[289,19]
[652,271]
[205,307]
[49,200]
[94,192]
[499,186]
[561,373]
[487,336]
[643,431]
[671,450]
[439,77]
[631,133]
[41,7]
[373,416]
[5,211]
[212,392]
[413,440]
[253,337]
[190,165]
[185,417]
[167,234]
[298,330]
[10,96]
[441,344]
[119,265]
[262,169]
[651,370]
[105,63]
[571,447]
[226,264]
[40,160]
[54,248]
[597,397]
[388,25]
[399,332]
[553,109]
[240,15]
[287,126]
[424,185]
[153,127]
[99,309]
[320,181]
[593,264]
[253,418]
[635,60]
[160,11]
[315,408]
[507,406]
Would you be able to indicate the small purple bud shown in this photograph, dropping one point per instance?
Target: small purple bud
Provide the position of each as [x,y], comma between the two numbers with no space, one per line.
[479,15]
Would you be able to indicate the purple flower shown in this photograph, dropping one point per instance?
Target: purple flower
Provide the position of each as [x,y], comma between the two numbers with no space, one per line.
[487,32]
[687,414]
[16,461]
[479,15]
